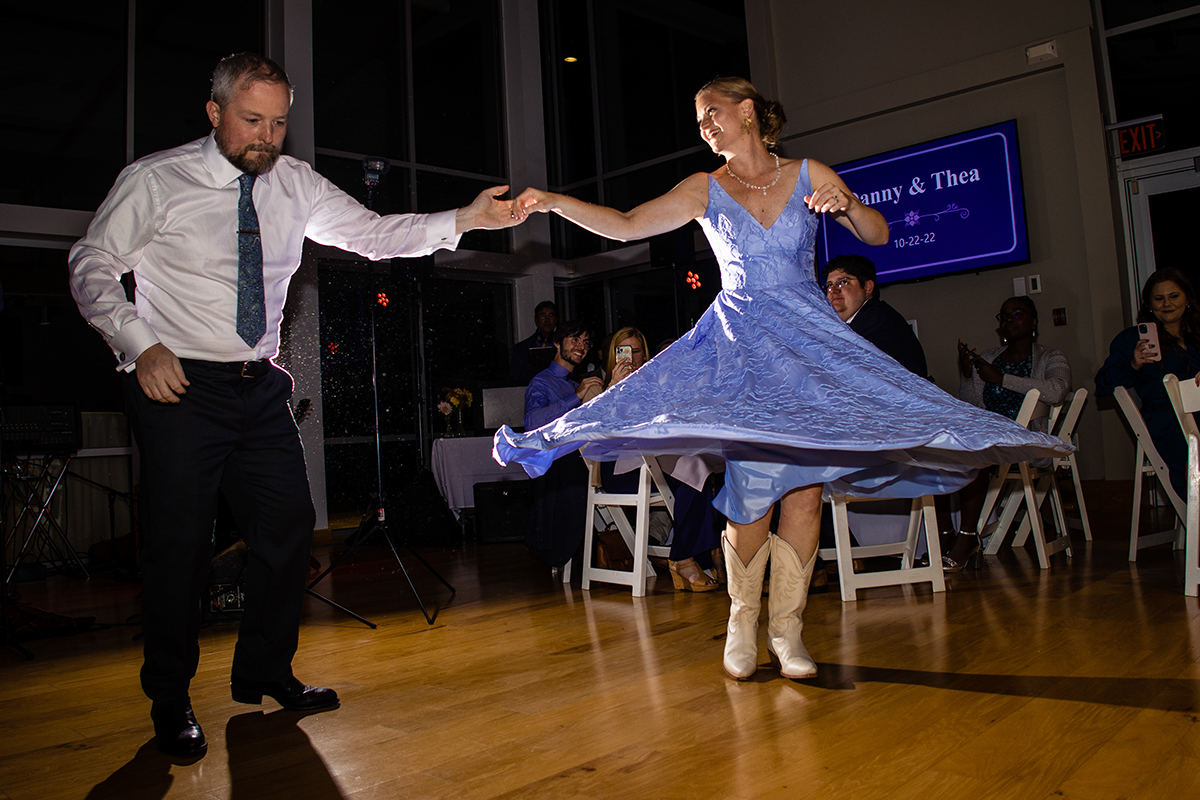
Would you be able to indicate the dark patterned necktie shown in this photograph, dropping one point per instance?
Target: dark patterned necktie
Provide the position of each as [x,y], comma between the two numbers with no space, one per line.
[251,311]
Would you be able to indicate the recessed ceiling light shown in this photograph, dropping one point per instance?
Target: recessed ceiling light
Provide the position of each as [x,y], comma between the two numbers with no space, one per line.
[570,59]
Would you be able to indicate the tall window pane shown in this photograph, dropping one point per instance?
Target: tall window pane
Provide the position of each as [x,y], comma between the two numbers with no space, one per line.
[467,334]
[349,292]
[360,77]
[51,354]
[586,301]
[1123,12]
[567,88]
[457,87]
[646,301]
[1157,71]
[647,107]
[62,125]
[392,194]
[627,94]
[177,46]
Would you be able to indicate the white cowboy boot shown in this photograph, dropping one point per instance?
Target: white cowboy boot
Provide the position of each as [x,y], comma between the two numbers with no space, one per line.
[785,605]
[745,602]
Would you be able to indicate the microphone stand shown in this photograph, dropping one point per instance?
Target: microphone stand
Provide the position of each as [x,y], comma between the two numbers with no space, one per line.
[374,519]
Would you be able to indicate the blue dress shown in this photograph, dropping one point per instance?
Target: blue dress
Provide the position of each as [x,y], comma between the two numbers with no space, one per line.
[774,382]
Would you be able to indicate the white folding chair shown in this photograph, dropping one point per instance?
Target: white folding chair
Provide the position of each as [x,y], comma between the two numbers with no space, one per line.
[1148,462]
[998,486]
[1010,493]
[1185,397]
[608,508]
[1063,426]
[1040,483]
[922,510]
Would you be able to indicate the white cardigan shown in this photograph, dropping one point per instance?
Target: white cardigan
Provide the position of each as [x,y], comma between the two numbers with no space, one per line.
[1051,375]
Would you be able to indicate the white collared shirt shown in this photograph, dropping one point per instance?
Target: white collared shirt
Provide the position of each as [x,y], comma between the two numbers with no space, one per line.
[171,218]
[860,308]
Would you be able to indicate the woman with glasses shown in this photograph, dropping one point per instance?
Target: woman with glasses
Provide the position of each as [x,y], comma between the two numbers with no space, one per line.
[770,379]
[997,380]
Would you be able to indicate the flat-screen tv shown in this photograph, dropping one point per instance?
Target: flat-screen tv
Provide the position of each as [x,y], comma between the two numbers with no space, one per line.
[951,205]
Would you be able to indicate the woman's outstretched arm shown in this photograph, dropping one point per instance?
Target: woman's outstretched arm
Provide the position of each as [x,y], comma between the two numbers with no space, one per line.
[672,210]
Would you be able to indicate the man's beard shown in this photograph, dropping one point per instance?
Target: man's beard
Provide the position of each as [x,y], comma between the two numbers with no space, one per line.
[253,159]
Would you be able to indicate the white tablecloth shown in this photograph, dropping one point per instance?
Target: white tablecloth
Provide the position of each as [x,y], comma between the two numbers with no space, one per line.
[460,463]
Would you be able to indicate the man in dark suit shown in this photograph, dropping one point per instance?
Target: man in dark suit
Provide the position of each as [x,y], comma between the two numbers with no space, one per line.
[531,356]
[849,282]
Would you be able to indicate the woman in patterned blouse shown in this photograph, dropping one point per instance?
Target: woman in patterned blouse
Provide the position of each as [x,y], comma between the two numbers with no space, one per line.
[997,380]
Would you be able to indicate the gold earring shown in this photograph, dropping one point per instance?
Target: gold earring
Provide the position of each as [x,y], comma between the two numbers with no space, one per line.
[747,125]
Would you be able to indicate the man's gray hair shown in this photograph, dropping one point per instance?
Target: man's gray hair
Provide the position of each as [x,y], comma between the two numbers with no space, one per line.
[239,70]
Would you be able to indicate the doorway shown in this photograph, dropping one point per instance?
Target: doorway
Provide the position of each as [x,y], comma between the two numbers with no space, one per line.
[1163,201]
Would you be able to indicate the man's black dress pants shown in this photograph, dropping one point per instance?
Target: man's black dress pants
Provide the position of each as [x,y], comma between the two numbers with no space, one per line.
[236,434]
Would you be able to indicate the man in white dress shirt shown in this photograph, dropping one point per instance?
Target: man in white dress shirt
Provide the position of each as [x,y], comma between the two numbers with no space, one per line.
[213,231]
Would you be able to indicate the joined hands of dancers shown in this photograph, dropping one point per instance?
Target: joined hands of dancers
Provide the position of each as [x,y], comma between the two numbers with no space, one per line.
[828,198]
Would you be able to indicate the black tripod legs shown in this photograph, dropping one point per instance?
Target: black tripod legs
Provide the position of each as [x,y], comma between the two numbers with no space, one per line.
[359,537]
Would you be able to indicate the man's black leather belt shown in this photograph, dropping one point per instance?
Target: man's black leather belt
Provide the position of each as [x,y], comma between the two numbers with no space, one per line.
[245,369]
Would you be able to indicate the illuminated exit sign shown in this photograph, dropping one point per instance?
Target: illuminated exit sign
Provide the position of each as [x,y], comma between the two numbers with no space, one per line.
[1138,137]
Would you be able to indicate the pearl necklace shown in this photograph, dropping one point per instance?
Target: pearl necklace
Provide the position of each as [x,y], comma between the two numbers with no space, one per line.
[763,189]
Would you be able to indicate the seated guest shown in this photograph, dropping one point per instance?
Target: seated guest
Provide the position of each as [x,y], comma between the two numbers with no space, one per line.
[618,366]
[1168,301]
[698,525]
[525,362]
[849,282]
[559,496]
[997,380]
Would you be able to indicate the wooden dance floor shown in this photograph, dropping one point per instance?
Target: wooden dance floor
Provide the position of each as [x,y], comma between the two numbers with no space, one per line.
[1077,682]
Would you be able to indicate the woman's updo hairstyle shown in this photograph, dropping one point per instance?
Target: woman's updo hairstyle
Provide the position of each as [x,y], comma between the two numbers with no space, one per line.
[771,118]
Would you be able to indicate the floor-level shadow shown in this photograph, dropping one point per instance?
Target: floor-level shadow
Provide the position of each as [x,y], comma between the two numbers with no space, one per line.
[146,776]
[270,756]
[1162,694]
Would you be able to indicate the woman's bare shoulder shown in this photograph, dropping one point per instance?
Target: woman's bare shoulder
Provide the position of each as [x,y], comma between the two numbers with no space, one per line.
[695,186]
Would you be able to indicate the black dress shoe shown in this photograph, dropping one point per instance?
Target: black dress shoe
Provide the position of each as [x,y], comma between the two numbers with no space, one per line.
[176,729]
[291,694]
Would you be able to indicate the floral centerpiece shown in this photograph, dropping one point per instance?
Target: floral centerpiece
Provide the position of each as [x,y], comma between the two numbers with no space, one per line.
[453,406]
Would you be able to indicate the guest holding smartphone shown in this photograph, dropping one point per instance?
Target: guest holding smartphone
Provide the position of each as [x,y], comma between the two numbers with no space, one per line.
[627,352]
[1169,303]
[997,380]
[697,524]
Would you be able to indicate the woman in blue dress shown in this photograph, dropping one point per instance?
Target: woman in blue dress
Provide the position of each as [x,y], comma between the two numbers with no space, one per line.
[770,379]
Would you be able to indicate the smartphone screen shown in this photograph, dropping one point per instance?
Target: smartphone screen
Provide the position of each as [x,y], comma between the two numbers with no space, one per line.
[1148,332]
